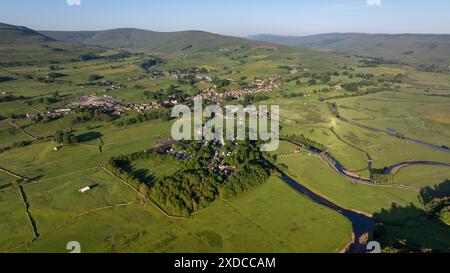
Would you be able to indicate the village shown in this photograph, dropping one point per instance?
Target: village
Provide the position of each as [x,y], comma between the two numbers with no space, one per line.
[260,86]
[117,107]
[218,152]
[180,74]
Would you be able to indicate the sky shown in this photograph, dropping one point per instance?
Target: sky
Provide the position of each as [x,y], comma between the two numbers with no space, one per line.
[233,17]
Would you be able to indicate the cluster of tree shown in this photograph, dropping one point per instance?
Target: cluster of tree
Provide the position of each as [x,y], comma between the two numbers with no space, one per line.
[55,75]
[8,98]
[151,63]
[248,177]
[220,84]
[54,98]
[186,192]
[317,76]
[436,202]
[65,137]
[43,119]
[95,77]
[398,78]
[23,143]
[381,176]
[294,78]
[308,143]
[251,99]
[312,82]
[154,114]
[173,92]
[351,87]
[16,145]
[293,95]
[121,55]
[114,57]
[439,208]
[366,76]
[91,114]
[6,79]
[196,185]
[432,68]
[374,62]
[89,57]
[121,167]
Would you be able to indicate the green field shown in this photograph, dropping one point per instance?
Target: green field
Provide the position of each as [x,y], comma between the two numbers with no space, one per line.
[314,174]
[270,218]
[137,228]
[422,176]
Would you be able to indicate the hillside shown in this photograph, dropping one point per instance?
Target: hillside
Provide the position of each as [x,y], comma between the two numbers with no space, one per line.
[408,48]
[21,45]
[76,37]
[17,34]
[150,40]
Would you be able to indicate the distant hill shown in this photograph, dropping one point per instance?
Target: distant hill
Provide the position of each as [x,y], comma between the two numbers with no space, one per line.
[16,34]
[408,48]
[21,45]
[130,38]
[76,37]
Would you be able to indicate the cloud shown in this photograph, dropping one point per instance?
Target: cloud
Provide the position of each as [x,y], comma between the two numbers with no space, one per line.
[73,2]
[374,2]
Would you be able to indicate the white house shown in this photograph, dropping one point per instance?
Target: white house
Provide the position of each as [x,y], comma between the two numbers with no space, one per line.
[86,189]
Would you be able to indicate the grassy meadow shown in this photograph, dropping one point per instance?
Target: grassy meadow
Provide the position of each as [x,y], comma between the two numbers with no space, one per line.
[270,218]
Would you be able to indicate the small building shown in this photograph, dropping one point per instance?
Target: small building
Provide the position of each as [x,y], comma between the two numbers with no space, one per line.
[86,189]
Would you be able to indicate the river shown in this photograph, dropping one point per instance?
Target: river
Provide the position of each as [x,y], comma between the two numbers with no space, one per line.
[433,146]
[361,224]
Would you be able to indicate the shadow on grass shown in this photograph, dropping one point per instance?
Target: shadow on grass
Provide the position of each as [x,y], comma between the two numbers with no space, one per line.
[442,190]
[90,136]
[145,176]
[413,229]
[37,178]
[94,186]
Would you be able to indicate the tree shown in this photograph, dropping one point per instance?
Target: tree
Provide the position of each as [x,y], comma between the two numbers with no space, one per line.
[62,137]
[144,189]
[351,87]
[55,75]
[59,137]
[312,82]
[94,77]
